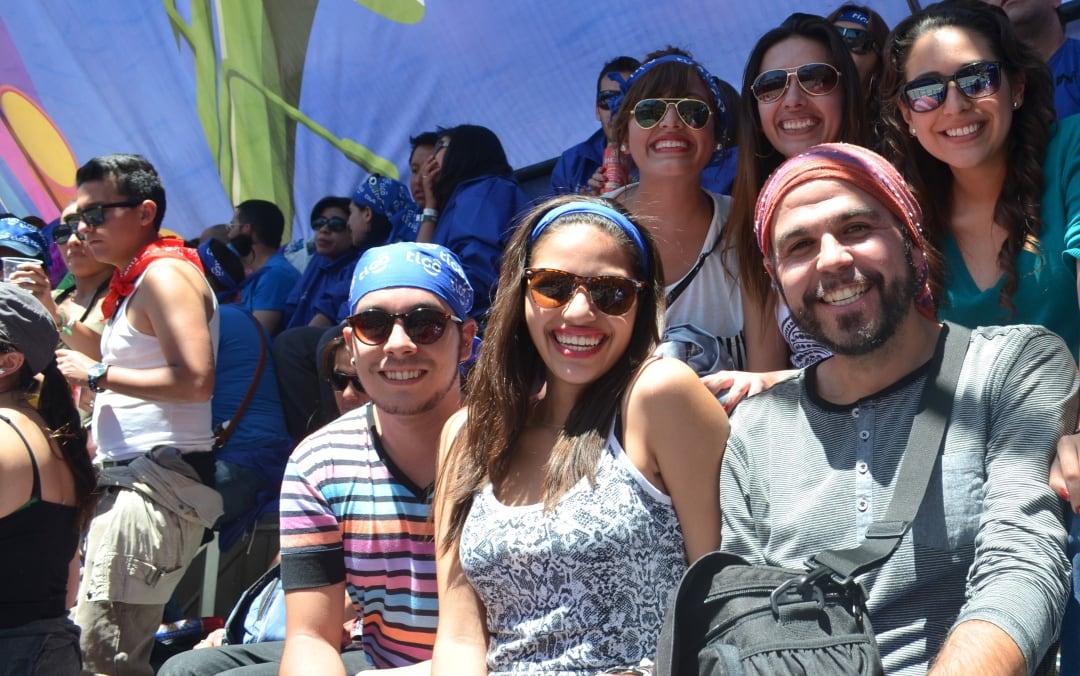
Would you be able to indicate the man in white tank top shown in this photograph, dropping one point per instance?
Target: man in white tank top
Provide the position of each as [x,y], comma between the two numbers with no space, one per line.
[153,378]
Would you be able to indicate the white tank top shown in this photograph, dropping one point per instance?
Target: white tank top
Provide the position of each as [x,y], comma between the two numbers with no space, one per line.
[126,427]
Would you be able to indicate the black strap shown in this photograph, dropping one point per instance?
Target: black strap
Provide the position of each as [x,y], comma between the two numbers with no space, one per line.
[229,426]
[924,445]
[674,294]
[35,491]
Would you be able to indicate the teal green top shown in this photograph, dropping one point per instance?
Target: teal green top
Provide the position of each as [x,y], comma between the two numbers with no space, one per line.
[1046,281]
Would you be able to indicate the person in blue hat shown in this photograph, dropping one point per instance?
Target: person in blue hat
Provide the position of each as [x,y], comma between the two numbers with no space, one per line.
[19,238]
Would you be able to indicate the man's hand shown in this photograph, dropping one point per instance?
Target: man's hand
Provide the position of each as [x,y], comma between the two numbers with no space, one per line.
[734,386]
[74,365]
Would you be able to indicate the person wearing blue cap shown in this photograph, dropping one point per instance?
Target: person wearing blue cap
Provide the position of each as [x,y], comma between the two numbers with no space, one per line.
[19,238]
[382,212]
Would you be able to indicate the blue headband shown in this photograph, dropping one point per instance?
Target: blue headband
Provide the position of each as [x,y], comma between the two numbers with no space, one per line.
[384,195]
[600,210]
[624,87]
[854,16]
[213,266]
[430,267]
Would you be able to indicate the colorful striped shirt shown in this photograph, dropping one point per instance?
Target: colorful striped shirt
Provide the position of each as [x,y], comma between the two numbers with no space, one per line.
[347,513]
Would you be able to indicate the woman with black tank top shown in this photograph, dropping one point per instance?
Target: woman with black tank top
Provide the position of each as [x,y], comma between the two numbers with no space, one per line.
[46,494]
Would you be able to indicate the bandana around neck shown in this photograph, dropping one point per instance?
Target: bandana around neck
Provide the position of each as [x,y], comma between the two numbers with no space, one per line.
[123,281]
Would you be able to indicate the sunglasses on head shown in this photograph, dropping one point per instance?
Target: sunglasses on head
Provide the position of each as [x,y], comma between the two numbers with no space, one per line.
[423,326]
[339,380]
[611,294]
[335,223]
[816,79]
[95,215]
[857,40]
[604,98]
[975,81]
[66,228]
[693,112]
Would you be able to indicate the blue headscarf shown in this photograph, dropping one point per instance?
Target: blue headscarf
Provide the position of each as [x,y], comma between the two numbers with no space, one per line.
[430,267]
[387,197]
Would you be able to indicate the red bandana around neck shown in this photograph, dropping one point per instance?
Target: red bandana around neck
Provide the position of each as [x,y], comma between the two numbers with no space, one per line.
[123,282]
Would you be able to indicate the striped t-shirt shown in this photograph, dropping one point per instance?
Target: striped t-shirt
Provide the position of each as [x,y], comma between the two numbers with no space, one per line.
[347,513]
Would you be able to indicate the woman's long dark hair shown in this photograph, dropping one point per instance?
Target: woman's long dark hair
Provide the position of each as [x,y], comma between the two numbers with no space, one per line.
[509,370]
[61,416]
[474,151]
[1019,205]
[758,158]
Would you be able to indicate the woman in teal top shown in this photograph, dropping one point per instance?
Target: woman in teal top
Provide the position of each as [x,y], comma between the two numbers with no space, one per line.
[969,117]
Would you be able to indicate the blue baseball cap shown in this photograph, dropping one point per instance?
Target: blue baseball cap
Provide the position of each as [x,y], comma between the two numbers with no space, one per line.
[18,235]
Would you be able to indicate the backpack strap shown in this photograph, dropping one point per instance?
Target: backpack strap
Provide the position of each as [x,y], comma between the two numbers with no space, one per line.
[924,445]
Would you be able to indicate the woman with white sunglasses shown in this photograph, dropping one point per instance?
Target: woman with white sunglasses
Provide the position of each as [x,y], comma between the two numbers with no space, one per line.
[969,117]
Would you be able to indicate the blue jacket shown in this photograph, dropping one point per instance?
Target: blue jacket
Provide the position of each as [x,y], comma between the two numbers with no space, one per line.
[323,289]
[578,164]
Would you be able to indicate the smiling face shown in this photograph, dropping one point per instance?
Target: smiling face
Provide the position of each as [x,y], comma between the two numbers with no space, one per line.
[400,376]
[842,266]
[798,120]
[672,148]
[577,342]
[329,243]
[962,132]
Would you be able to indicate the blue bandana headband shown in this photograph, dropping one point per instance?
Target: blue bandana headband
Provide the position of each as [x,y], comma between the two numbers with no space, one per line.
[854,16]
[704,74]
[429,267]
[599,210]
[384,195]
[214,267]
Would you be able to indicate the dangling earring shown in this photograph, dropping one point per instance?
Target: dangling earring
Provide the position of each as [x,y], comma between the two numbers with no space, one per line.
[913,131]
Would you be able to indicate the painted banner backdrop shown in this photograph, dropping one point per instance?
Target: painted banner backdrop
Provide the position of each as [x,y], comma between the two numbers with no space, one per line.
[290,100]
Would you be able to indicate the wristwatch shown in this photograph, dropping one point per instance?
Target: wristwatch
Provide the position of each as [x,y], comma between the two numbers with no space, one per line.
[95,374]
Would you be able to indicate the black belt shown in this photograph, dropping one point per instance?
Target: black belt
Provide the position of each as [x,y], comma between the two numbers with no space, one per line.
[106,464]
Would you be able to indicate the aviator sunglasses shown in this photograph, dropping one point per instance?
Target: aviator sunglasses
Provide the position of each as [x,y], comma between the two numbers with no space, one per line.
[693,112]
[95,215]
[423,326]
[66,228]
[339,380]
[816,79]
[975,81]
[611,294]
[857,40]
[336,224]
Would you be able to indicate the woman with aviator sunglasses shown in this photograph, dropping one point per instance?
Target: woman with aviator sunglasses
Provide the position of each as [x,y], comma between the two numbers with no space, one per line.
[582,476]
[670,121]
[800,88]
[970,118]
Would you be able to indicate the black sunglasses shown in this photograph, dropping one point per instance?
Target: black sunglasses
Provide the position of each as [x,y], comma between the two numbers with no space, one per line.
[66,228]
[339,380]
[975,81]
[336,223]
[816,79]
[693,112]
[858,40]
[611,294]
[605,97]
[423,326]
[95,215]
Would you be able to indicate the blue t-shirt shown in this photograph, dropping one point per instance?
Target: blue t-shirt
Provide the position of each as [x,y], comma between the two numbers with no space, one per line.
[269,287]
[475,224]
[259,441]
[1065,65]
[323,289]
[578,164]
[1046,281]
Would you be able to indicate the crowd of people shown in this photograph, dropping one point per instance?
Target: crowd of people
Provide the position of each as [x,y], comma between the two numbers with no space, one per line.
[496,431]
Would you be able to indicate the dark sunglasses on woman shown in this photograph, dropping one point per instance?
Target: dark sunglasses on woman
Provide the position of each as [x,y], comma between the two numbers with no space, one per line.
[816,79]
[335,223]
[339,380]
[693,112]
[611,294]
[66,228]
[975,81]
[423,326]
[858,40]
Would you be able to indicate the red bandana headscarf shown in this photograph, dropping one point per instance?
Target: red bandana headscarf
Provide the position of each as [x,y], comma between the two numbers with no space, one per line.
[123,281]
[861,168]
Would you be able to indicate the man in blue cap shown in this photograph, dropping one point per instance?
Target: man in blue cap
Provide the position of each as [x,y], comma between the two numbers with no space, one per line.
[19,238]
